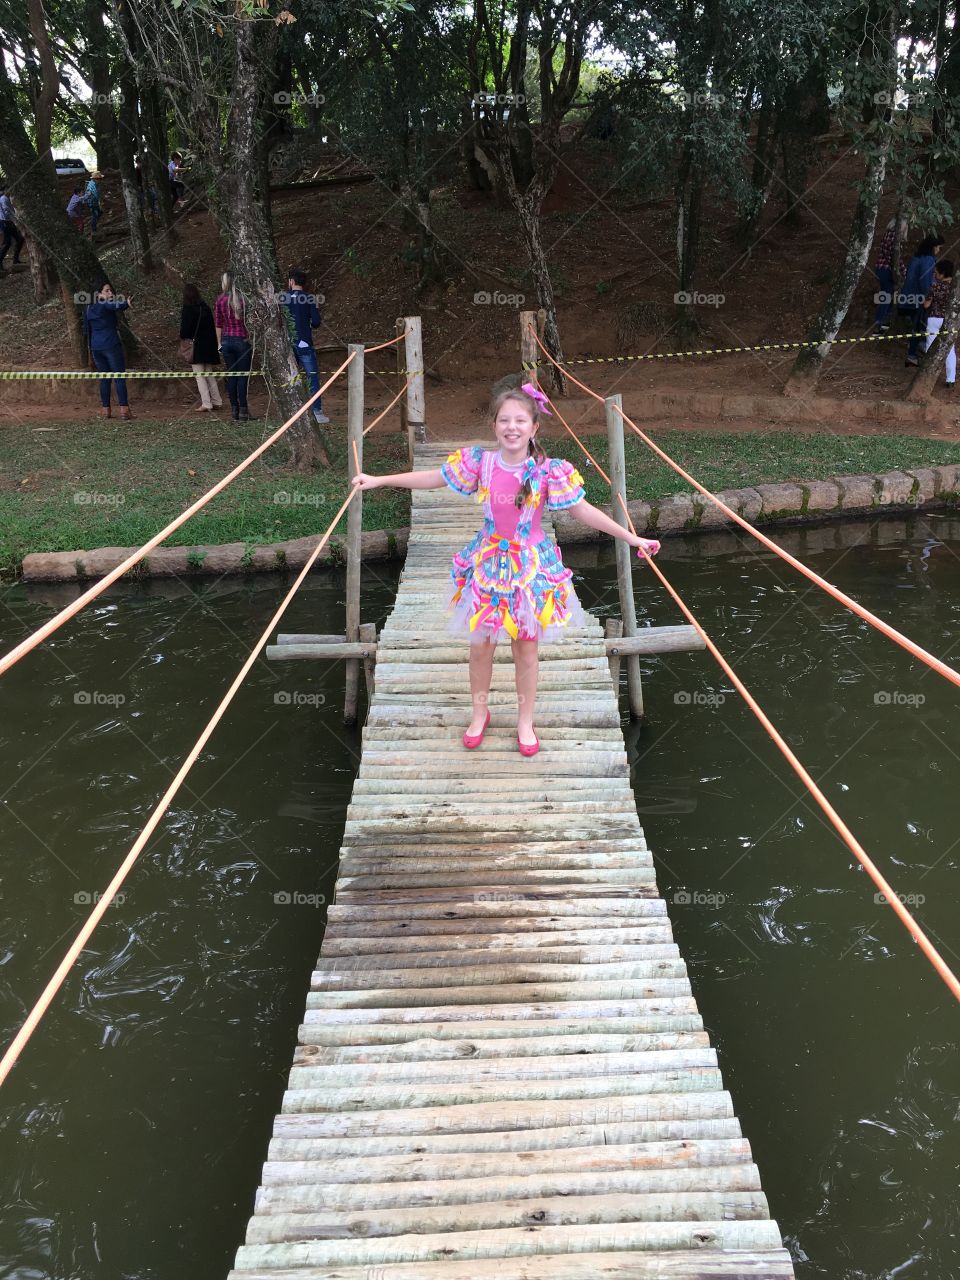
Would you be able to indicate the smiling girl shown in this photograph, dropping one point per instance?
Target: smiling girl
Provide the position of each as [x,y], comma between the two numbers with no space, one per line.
[510,577]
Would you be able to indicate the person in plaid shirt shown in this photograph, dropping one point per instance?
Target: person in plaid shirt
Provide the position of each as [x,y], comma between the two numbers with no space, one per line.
[883,270]
[229,317]
[935,308]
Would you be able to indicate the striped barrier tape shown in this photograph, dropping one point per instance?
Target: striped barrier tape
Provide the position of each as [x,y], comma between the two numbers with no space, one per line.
[723,351]
[73,375]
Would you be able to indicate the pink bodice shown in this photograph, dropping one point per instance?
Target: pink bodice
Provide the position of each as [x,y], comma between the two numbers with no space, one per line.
[504,487]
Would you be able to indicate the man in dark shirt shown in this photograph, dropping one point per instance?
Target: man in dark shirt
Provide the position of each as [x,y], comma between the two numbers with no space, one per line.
[10,230]
[306,317]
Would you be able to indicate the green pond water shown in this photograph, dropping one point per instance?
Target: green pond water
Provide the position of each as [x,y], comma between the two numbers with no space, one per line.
[133,1129]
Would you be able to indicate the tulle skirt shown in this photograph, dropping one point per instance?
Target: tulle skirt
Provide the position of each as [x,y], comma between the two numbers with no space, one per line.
[514,590]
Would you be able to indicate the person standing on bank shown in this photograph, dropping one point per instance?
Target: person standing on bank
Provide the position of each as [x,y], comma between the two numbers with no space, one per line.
[510,577]
[234,342]
[883,270]
[11,232]
[934,310]
[306,317]
[103,334]
[199,346]
[92,196]
[916,286]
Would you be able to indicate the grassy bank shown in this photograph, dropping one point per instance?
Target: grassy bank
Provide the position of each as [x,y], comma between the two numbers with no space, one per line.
[79,486]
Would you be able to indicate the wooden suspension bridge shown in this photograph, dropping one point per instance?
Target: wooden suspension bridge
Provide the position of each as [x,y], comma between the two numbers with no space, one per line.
[501,1070]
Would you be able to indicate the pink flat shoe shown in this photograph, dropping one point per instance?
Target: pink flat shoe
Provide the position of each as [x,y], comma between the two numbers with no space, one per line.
[528,749]
[472,740]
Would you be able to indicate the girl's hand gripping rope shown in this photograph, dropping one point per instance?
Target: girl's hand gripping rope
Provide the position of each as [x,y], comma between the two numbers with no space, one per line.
[647,547]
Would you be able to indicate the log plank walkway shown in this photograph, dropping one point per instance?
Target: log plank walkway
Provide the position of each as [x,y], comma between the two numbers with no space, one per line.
[501,1071]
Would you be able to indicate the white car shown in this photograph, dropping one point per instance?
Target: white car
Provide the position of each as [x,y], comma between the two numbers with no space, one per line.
[70,167]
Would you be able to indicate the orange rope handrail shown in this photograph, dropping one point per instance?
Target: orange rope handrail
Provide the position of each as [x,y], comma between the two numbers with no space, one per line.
[19,1041]
[849,839]
[391,343]
[858,851]
[385,411]
[25,646]
[841,597]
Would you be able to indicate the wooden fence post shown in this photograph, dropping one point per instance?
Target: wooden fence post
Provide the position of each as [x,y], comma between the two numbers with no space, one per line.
[624,553]
[416,406]
[400,327]
[528,347]
[354,525]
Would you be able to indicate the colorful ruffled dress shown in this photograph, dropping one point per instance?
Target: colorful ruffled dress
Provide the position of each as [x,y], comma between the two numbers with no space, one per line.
[510,577]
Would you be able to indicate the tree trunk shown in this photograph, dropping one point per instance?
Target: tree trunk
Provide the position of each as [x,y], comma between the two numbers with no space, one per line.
[49,83]
[809,363]
[249,237]
[126,139]
[689,209]
[762,177]
[43,275]
[41,206]
[153,118]
[931,365]
[528,212]
[98,65]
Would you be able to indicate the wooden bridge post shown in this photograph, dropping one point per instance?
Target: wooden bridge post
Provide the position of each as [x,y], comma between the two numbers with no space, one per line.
[528,347]
[618,485]
[354,525]
[416,404]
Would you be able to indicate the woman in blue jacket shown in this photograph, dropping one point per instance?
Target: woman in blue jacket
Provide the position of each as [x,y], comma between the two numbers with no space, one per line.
[105,345]
[916,286]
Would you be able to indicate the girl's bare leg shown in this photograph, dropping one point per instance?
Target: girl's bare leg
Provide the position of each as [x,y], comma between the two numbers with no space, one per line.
[527,663]
[481,672]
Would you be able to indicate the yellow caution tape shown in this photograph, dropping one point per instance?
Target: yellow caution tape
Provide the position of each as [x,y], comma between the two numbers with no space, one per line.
[723,351]
[74,375]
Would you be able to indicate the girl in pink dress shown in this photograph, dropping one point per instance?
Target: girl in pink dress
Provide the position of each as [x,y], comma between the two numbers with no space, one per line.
[510,577]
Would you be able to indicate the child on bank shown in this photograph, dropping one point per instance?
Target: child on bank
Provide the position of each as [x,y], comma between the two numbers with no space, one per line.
[934,311]
[510,577]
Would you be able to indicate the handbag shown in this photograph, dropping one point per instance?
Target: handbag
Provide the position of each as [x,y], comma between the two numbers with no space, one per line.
[186,344]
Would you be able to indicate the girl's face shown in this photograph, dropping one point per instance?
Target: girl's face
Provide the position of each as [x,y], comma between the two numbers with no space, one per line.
[514,427]
[106,293]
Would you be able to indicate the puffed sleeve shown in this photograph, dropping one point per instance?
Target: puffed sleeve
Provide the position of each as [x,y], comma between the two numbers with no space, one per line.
[564,485]
[462,470]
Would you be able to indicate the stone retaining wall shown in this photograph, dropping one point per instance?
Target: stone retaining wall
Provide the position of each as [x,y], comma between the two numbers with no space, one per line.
[923,487]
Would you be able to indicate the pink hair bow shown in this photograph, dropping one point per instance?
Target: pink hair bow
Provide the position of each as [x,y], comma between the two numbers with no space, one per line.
[536,394]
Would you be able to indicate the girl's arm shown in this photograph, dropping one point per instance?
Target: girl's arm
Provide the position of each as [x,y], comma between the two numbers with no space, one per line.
[402,480]
[591,516]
